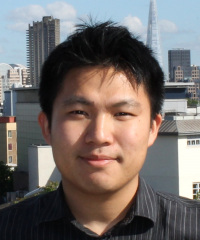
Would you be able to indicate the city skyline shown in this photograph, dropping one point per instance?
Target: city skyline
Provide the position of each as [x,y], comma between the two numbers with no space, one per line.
[178,21]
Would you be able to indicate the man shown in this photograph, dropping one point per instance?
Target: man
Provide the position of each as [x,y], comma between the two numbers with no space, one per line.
[101,94]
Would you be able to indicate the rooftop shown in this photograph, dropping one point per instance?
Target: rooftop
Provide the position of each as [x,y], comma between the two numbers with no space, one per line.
[178,84]
[7,119]
[180,127]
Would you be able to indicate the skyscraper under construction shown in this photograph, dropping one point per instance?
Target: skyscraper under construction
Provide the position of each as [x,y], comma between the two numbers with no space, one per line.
[41,39]
[153,35]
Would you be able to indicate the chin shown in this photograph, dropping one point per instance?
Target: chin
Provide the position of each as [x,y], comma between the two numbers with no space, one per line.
[98,190]
[100,187]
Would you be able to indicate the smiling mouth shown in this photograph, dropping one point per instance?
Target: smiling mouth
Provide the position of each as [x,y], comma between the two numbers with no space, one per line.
[97,160]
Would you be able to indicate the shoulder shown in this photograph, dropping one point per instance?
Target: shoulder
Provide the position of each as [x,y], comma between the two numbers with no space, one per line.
[23,209]
[19,220]
[178,210]
[178,216]
[178,200]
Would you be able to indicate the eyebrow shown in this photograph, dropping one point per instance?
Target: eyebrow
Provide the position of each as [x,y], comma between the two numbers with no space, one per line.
[77,99]
[129,102]
[83,101]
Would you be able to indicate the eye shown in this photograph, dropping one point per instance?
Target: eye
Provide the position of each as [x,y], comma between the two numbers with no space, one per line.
[79,112]
[123,114]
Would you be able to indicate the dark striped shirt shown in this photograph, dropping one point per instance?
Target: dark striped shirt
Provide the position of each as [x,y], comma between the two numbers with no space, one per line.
[153,216]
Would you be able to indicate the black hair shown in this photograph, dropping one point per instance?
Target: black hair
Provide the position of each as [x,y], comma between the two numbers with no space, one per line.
[106,45]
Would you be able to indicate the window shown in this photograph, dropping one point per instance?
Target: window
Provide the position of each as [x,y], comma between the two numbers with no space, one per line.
[9,134]
[196,189]
[10,146]
[10,159]
[193,142]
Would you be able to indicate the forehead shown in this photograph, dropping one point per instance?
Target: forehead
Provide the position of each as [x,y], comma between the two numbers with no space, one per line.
[100,80]
[99,75]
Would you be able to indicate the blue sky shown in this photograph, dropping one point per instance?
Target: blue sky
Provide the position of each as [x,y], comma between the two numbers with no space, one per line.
[179,22]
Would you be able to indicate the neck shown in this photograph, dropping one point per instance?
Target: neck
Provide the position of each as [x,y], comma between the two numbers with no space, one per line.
[100,212]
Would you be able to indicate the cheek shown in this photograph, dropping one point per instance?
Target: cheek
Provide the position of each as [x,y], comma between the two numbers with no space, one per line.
[133,136]
[67,132]
[133,142]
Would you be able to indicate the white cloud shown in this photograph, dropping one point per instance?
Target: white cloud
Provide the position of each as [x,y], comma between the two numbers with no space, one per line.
[61,10]
[135,25]
[27,13]
[21,17]
[66,27]
[18,26]
[66,13]
[167,26]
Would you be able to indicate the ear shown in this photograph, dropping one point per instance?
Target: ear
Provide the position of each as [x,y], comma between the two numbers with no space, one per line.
[154,129]
[44,124]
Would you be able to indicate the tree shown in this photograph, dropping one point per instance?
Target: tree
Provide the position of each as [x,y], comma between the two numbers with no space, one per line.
[197,197]
[191,102]
[6,179]
[51,186]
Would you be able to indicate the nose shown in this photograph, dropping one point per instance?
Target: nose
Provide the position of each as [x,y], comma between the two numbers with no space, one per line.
[99,131]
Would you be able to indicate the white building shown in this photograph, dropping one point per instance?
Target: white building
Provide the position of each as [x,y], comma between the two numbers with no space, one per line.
[42,168]
[28,129]
[175,98]
[173,162]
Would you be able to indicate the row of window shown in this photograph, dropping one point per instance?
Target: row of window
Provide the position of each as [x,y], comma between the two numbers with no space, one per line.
[194,75]
[193,142]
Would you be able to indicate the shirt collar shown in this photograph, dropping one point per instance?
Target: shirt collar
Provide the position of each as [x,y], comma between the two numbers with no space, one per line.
[145,202]
[53,205]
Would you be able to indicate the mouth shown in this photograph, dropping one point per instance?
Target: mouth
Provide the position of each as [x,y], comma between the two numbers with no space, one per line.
[97,160]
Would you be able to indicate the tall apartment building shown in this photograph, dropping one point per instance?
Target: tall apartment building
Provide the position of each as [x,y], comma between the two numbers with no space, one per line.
[8,141]
[42,38]
[11,74]
[179,64]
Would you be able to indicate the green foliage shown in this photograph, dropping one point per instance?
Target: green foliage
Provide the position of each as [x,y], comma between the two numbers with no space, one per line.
[197,197]
[191,102]
[52,186]
[6,179]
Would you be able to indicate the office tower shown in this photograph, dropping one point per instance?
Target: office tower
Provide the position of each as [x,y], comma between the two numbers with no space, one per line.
[179,64]
[42,38]
[153,35]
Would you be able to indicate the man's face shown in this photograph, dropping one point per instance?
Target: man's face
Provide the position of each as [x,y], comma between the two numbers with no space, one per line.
[100,131]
